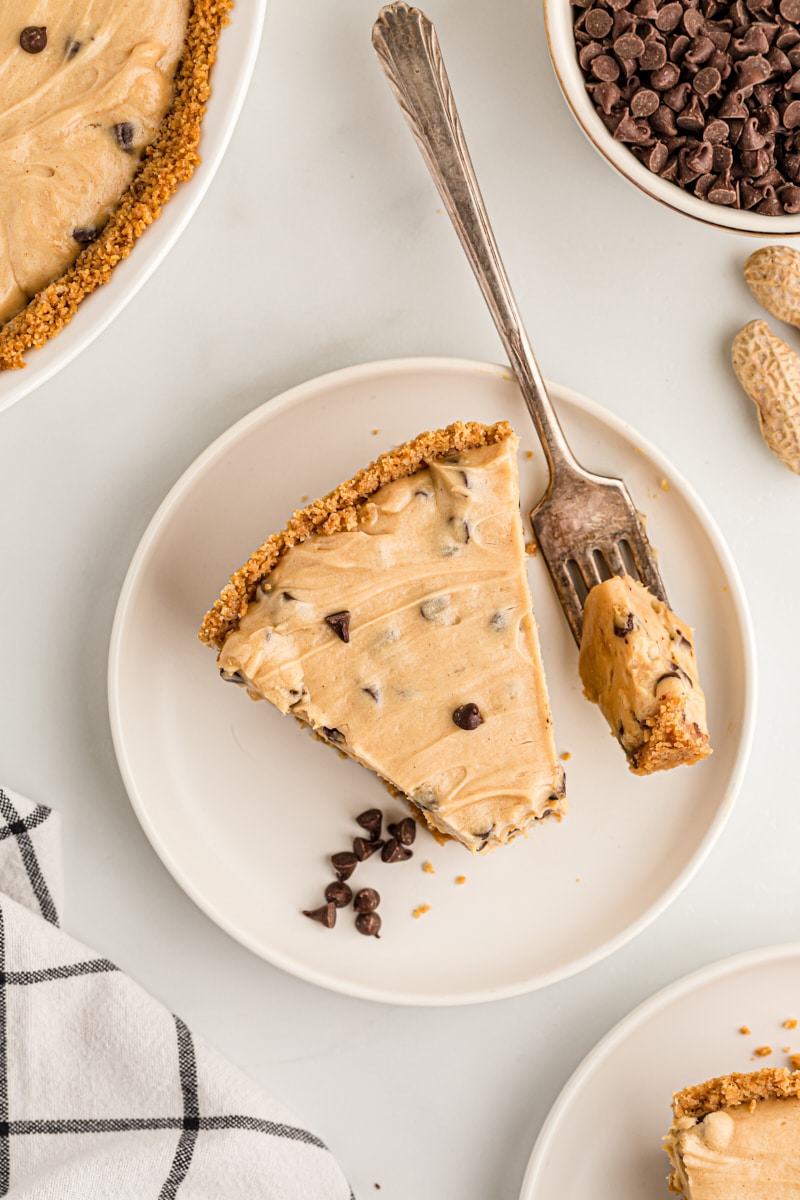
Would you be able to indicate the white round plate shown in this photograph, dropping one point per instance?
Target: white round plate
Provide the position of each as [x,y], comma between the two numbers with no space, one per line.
[238,49]
[244,807]
[617,1105]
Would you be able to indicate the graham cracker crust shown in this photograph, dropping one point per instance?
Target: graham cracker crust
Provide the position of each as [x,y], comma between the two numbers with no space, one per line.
[671,742]
[169,160]
[338,511]
[728,1091]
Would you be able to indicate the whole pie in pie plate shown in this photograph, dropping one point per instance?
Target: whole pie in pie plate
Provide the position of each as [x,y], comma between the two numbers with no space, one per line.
[113,123]
[396,616]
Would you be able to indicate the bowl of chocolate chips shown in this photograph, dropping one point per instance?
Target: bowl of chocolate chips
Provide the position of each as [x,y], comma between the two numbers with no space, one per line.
[697,102]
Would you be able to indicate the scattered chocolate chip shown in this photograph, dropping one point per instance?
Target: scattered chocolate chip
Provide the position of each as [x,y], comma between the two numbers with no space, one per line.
[326,915]
[364,849]
[468,716]
[405,831]
[73,48]
[122,134]
[393,852]
[340,624]
[338,894]
[622,631]
[366,901]
[371,820]
[33,39]
[287,596]
[369,924]
[84,237]
[344,863]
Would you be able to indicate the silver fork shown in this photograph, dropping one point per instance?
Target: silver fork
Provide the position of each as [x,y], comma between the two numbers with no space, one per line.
[586,525]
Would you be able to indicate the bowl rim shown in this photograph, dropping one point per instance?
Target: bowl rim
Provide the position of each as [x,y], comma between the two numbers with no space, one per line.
[561,45]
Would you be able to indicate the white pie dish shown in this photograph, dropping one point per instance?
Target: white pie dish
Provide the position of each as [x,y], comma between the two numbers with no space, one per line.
[233,69]
[183,740]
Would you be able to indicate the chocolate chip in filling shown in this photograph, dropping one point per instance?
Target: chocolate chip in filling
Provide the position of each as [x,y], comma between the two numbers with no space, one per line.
[340,624]
[468,716]
[33,39]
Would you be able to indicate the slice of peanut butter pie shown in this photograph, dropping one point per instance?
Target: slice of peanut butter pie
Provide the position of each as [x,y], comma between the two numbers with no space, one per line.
[737,1138]
[393,617]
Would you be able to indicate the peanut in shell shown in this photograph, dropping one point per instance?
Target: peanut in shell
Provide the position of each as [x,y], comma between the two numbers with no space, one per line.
[773,276]
[769,371]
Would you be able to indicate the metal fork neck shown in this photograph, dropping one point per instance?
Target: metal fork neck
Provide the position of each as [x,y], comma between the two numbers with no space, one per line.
[406,44]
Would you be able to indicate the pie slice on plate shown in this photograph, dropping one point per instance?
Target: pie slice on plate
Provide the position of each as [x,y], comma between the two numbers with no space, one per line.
[737,1138]
[394,618]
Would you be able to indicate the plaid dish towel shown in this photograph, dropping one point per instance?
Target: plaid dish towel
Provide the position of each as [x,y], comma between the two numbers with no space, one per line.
[104,1095]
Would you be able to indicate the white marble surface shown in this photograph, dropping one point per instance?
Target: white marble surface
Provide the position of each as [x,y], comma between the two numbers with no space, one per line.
[320,244]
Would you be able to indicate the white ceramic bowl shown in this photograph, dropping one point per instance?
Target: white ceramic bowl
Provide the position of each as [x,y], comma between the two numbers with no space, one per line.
[238,48]
[558,21]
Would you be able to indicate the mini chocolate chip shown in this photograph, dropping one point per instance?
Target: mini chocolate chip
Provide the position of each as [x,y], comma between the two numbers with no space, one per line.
[369,923]
[707,81]
[653,57]
[669,16]
[644,103]
[605,68]
[326,915]
[433,606]
[85,237]
[344,863]
[338,894]
[628,46]
[693,22]
[751,138]
[367,900]
[371,820]
[73,48]
[232,676]
[393,852]
[333,735]
[123,135]
[605,95]
[468,716]
[405,831]
[340,624]
[33,39]
[364,849]
[598,22]
[622,631]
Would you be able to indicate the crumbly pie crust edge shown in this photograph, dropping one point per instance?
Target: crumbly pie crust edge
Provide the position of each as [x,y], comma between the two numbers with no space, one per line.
[729,1091]
[337,512]
[170,159]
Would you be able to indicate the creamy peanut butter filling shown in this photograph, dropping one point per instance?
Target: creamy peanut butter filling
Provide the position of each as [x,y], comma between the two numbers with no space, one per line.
[410,644]
[75,117]
[750,1152]
[637,662]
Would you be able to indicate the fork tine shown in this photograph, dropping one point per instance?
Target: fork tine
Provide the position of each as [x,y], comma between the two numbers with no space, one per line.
[644,558]
[613,557]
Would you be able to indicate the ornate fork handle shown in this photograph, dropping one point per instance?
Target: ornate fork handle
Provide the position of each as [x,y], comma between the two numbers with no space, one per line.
[408,49]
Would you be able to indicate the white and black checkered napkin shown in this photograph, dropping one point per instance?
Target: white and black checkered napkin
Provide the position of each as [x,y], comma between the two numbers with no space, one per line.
[104,1095]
